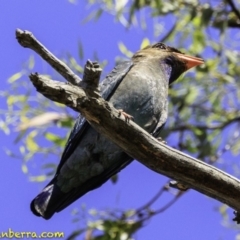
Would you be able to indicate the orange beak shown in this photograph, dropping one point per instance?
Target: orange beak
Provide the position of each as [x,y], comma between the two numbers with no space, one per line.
[189,60]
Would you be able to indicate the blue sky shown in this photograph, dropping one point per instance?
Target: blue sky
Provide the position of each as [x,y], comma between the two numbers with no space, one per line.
[59,27]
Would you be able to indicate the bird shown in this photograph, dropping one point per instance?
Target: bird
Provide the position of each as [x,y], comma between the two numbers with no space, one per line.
[139,87]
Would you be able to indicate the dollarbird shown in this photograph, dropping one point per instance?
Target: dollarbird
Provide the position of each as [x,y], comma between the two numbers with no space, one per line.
[140,88]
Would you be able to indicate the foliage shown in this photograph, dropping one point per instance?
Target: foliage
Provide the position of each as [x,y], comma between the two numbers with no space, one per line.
[204,115]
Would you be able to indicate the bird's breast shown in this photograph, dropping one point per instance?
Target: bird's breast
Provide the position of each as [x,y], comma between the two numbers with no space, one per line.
[139,95]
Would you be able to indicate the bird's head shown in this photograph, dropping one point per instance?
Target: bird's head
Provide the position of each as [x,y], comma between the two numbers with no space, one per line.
[171,59]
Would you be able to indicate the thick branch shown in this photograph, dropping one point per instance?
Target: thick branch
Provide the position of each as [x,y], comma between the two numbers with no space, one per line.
[141,145]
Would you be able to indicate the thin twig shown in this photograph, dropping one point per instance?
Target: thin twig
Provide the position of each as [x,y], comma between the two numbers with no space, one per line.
[169,204]
[205,127]
[151,201]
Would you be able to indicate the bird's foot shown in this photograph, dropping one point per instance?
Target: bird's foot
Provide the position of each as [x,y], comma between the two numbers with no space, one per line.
[127,116]
[161,140]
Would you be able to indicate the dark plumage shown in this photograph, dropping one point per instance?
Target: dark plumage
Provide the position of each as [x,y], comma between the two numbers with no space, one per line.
[139,87]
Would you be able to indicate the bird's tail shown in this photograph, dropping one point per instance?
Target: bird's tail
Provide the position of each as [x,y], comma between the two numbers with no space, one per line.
[52,199]
[46,203]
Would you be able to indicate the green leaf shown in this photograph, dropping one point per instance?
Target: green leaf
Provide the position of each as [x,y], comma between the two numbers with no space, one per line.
[74,64]
[73,1]
[94,15]
[55,139]
[120,4]
[98,14]
[66,122]
[12,99]
[93,212]
[4,127]
[15,77]
[40,178]
[24,169]
[207,13]
[124,50]
[31,144]
[192,94]
[130,213]
[31,62]
[145,43]
[236,148]
[22,149]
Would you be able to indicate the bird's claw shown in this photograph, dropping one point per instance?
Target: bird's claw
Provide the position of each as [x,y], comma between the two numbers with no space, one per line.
[178,185]
[161,140]
[127,116]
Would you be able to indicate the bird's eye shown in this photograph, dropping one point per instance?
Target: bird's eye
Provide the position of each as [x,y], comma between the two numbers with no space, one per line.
[162,46]
[159,46]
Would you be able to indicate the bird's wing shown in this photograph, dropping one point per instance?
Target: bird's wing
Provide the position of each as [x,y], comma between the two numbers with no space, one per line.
[162,120]
[107,88]
[114,78]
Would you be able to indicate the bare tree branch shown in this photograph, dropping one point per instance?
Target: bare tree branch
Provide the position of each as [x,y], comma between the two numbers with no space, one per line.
[26,39]
[129,136]
[234,9]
